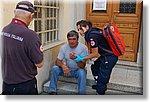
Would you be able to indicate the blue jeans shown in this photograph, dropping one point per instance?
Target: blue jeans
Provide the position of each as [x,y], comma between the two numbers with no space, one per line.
[80,74]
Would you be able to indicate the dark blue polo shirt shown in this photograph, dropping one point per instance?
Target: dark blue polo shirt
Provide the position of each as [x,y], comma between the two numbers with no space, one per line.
[95,39]
[21,51]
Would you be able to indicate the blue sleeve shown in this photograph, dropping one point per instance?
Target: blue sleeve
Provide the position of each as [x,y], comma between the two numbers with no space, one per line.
[93,42]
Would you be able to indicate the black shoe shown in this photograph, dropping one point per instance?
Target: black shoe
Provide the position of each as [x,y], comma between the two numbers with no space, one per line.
[53,93]
[94,87]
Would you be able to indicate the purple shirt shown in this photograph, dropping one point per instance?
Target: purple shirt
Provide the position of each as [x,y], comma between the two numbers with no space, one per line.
[21,51]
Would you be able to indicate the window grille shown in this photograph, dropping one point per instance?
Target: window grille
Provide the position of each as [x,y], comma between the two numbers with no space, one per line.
[46,20]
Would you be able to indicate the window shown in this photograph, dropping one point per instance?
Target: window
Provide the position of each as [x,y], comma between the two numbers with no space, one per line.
[128,6]
[46,20]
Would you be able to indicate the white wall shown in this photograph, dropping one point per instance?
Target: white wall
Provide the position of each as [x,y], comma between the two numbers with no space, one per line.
[80,12]
[67,16]
[72,11]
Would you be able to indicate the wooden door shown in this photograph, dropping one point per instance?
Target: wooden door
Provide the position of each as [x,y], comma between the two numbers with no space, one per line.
[127,17]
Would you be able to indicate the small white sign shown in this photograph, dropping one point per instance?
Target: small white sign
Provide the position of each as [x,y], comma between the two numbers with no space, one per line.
[99,4]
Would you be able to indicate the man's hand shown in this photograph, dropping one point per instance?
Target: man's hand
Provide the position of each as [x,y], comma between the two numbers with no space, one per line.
[72,55]
[66,70]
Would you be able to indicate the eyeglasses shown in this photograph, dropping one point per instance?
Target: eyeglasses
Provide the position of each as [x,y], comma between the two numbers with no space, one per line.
[72,38]
[80,29]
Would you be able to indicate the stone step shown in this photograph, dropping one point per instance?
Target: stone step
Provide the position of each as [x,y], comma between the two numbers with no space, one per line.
[131,65]
[66,88]
[126,78]
[112,86]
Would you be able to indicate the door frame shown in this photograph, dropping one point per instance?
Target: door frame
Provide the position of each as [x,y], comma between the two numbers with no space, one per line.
[107,16]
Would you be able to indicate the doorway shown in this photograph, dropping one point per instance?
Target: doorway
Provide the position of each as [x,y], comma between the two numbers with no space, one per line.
[126,14]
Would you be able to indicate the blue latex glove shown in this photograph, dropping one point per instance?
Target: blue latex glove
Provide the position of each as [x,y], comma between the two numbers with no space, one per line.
[78,59]
[84,55]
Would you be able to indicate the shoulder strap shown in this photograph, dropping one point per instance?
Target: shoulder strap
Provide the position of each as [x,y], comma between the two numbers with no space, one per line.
[108,51]
[93,31]
[98,32]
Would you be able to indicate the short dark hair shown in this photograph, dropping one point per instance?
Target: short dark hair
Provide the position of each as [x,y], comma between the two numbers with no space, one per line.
[72,33]
[84,23]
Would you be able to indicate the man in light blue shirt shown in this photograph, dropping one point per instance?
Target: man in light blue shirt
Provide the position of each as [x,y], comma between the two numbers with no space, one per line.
[70,68]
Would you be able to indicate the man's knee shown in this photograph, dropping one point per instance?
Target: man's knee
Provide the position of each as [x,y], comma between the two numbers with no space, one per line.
[55,69]
[82,73]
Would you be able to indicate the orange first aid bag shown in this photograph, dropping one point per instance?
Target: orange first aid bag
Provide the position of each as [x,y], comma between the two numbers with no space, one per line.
[112,35]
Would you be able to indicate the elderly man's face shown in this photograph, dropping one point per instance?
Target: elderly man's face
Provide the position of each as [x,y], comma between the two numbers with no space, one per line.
[73,41]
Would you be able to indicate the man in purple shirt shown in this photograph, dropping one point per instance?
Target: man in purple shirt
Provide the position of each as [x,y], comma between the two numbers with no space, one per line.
[22,53]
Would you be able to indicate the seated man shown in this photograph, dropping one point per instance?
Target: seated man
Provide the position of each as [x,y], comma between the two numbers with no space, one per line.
[68,52]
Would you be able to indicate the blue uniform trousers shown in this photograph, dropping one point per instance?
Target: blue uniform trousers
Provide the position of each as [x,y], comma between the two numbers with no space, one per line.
[102,68]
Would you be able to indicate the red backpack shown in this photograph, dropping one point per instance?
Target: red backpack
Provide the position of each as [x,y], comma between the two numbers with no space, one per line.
[112,35]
